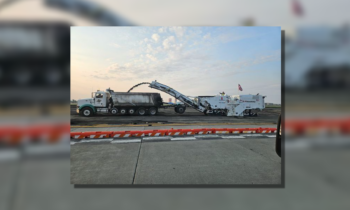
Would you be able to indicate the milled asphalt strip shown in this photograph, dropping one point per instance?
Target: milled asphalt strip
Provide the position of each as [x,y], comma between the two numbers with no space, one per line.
[9,154]
[153,139]
[126,141]
[91,141]
[233,137]
[206,136]
[184,139]
[253,135]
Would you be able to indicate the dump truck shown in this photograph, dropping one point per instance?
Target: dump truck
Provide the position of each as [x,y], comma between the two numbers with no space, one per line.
[122,103]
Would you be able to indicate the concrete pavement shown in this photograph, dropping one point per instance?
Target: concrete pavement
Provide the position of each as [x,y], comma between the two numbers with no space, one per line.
[196,160]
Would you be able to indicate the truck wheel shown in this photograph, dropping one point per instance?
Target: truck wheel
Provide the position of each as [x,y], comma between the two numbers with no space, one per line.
[123,111]
[176,110]
[141,111]
[131,111]
[87,112]
[180,110]
[114,111]
[152,111]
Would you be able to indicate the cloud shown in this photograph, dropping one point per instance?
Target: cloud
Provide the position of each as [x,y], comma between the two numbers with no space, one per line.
[162,30]
[207,36]
[149,48]
[155,37]
[179,31]
[117,68]
[102,76]
[167,42]
[274,56]
[116,45]
[174,56]
[151,57]
[127,65]
[229,37]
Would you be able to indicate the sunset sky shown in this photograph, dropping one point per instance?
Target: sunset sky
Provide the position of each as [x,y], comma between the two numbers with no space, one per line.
[192,60]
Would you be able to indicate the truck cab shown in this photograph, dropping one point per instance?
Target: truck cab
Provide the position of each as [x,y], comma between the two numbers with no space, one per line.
[89,106]
[100,98]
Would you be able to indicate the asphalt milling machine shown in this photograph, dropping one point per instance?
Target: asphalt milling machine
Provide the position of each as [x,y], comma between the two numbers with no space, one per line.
[148,103]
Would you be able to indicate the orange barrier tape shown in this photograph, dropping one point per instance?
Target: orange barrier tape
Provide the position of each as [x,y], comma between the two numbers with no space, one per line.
[175,132]
[222,130]
[233,130]
[77,135]
[98,134]
[158,133]
[36,133]
[266,130]
[53,133]
[168,132]
[120,134]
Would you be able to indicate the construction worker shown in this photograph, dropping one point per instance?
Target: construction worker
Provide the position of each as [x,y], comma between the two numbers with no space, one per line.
[223,93]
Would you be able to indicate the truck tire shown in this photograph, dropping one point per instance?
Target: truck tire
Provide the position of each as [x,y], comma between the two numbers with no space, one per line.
[122,111]
[114,111]
[153,111]
[131,111]
[176,110]
[141,111]
[87,112]
[181,109]
[224,112]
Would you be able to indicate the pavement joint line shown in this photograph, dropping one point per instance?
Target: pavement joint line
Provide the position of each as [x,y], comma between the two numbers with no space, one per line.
[126,141]
[137,161]
[183,138]
[271,136]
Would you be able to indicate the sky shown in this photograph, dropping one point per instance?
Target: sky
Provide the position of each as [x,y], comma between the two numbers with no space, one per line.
[192,60]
